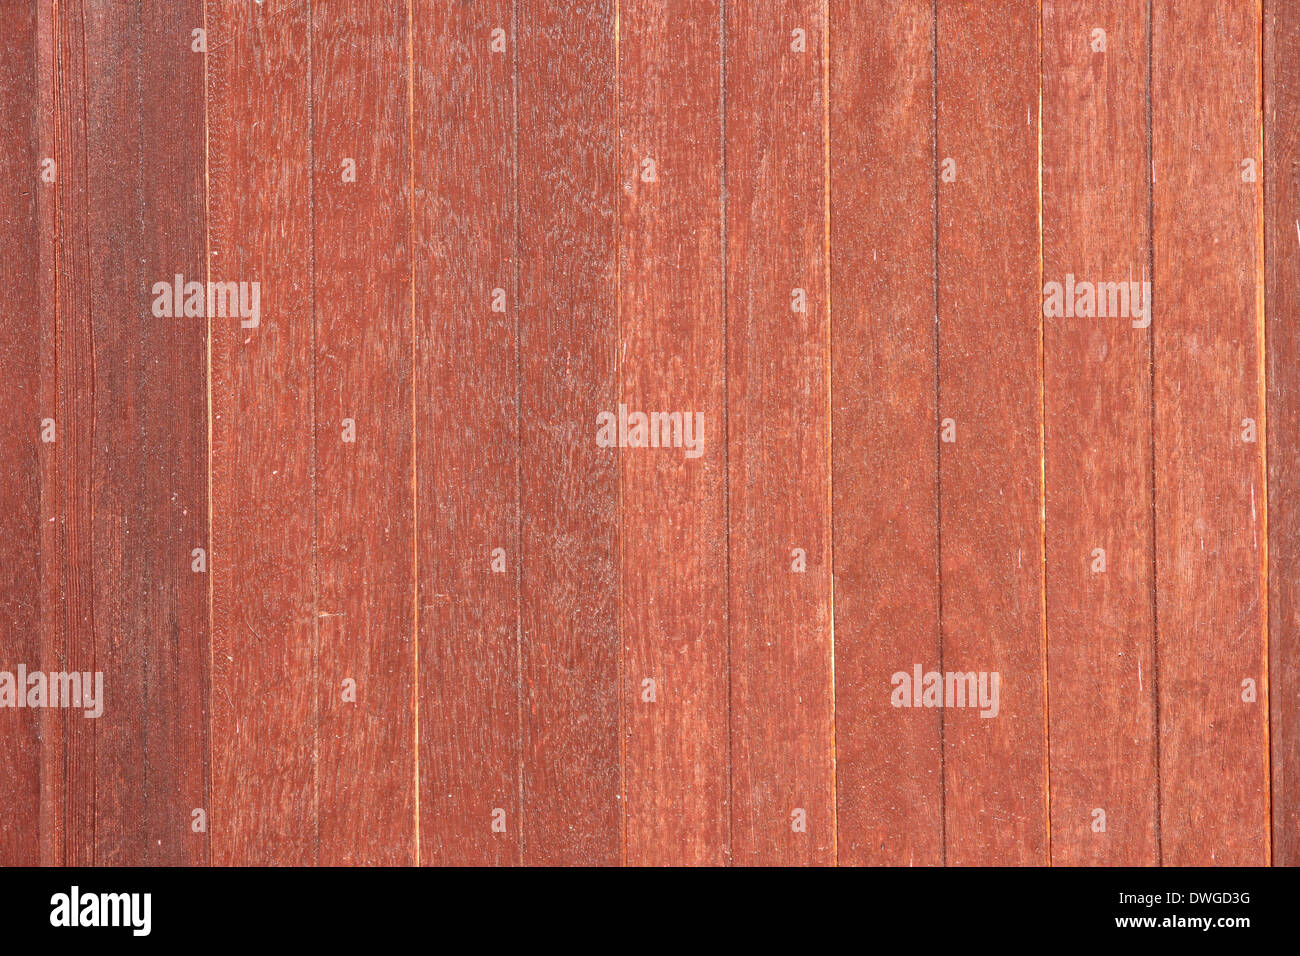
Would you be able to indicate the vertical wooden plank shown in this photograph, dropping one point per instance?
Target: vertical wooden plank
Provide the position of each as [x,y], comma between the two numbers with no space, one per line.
[1097,435]
[674,568]
[778,379]
[134,413]
[26,308]
[173,611]
[264,680]
[1211,610]
[67,627]
[467,431]
[884,511]
[54,800]
[989,391]
[569,486]
[1281,258]
[364,438]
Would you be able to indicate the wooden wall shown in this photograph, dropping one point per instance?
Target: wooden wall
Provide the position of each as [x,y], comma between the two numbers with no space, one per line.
[365,581]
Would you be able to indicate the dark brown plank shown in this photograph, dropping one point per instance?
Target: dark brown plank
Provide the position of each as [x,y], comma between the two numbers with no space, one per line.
[1281,255]
[989,387]
[1097,437]
[568,209]
[674,561]
[26,308]
[778,406]
[134,448]
[884,510]
[173,606]
[365,486]
[1210,493]
[466,388]
[264,671]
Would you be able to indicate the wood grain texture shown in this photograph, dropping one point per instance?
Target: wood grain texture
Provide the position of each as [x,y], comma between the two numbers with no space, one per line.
[884,510]
[1281,255]
[25,306]
[467,431]
[674,562]
[1097,437]
[568,249]
[53,803]
[365,542]
[824,227]
[991,562]
[1210,493]
[132,401]
[171,488]
[264,639]
[67,561]
[778,423]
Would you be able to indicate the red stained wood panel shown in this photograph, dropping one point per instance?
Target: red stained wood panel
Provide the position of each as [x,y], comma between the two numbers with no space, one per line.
[570,487]
[131,403]
[167,742]
[52,803]
[365,578]
[264,641]
[991,562]
[27,308]
[1097,436]
[66,561]
[467,318]
[1211,536]
[365,473]
[884,509]
[670,311]
[778,430]
[1281,255]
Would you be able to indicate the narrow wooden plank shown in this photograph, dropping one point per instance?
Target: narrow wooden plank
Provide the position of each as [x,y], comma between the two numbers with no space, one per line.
[365,478]
[884,510]
[172,606]
[66,619]
[990,315]
[467,432]
[1211,610]
[264,676]
[778,379]
[572,794]
[54,801]
[674,566]
[133,410]
[92,603]
[1281,255]
[1097,435]
[26,308]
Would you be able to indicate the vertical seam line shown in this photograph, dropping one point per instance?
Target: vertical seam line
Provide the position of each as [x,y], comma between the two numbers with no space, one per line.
[207,276]
[618,375]
[938,415]
[1042,472]
[830,413]
[726,415]
[1151,351]
[315,550]
[519,493]
[415,444]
